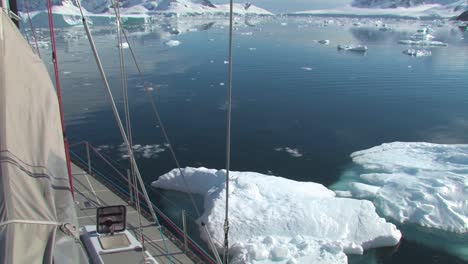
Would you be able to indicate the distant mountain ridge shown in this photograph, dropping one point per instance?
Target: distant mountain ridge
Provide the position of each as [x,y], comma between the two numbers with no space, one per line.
[397,3]
[183,7]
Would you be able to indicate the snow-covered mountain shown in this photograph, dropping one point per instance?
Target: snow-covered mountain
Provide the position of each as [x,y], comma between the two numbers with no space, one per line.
[179,7]
[397,3]
[396,8]
[186,7]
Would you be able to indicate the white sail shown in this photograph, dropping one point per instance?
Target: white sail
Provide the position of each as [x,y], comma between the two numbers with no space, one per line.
[35,195]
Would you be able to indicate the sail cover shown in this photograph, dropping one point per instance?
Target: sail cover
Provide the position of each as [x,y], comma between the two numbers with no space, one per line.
[35,195]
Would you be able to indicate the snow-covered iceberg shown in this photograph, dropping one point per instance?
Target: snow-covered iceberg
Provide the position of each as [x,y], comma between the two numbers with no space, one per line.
[420,183]
[283,221]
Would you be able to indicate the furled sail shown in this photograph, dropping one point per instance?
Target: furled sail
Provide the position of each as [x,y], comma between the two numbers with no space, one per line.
[37,213]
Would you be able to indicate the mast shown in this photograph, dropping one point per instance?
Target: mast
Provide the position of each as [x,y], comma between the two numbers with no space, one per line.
[59,93]
[228,137]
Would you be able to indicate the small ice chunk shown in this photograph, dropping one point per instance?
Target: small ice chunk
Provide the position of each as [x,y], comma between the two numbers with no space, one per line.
[417,53]
[172,43]
[293,152]
[356,48]
[305,68]
[279,253]
[222,84]
[324,41]
[124,45]
[363,191]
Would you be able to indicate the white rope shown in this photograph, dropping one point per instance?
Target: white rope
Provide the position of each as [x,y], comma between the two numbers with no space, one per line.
[92,188]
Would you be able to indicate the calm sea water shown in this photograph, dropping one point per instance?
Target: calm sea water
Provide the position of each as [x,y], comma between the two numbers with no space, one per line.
[300,108]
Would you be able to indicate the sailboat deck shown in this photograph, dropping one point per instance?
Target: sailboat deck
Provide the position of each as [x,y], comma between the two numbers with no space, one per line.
[90,194]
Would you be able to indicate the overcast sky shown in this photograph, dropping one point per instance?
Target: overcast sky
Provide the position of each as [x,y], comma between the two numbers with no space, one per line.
[281,6]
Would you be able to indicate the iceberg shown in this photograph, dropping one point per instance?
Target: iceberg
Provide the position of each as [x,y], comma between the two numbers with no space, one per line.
[419,183]
[172,43]
[423,43]
[417,53]
[357,48]
[277,220]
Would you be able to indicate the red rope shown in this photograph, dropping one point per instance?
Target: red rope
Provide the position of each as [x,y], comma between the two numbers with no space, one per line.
[32,27]
[59,93]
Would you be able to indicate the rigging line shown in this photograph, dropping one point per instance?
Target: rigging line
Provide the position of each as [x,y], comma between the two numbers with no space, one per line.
[113,164]
[171,149]
[32,28]
[162,126]
[117,117]
[228,137]
[123,77]
[114,107]
[59,94]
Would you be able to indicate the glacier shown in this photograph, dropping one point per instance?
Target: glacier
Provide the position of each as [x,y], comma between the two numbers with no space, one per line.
[277,220]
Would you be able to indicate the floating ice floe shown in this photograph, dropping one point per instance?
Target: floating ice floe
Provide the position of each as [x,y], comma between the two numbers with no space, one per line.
[357,48]
[324,41]
[423,43]
[277,220]
[40,44]
[420,183]
[305,68]
[417,53]
[294,152]
[124,45]
[172,43]
[145,151]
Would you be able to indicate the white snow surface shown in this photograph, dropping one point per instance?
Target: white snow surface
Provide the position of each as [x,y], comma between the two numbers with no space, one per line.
[278,220]
[421,183]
